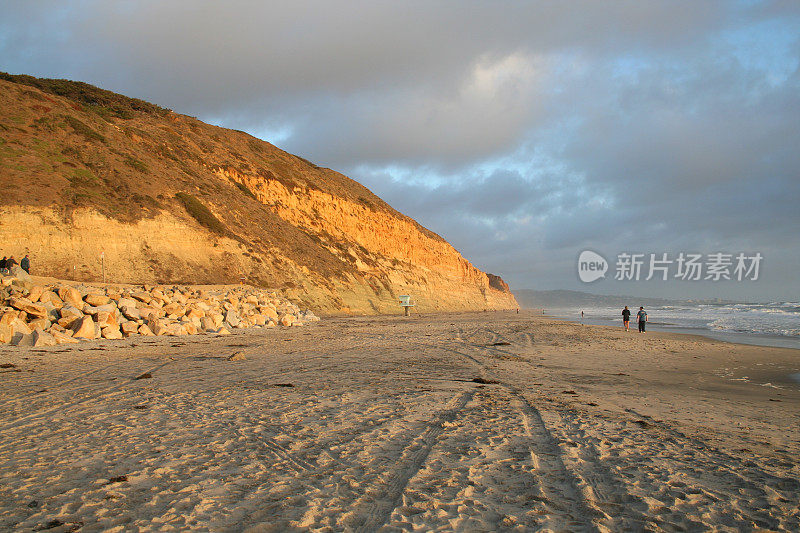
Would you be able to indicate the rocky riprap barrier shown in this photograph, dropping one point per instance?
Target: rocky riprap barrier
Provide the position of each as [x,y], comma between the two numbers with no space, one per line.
[51,314]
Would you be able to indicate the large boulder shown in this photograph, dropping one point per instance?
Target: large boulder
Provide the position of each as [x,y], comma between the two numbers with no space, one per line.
[130,312]
[309,316]
[218,319]
[106,319]
[6,333]
[195,312]
[70,312]
[8,316]
[175,329]
[174,309]
[63,338]
[232,318]
[112,332]
[19,326]
[157,327]
[109,308]
[208,324]
[20,274]
[179,297]
[124,300]
[268,312]
[39,323]
[22,339]
[52,298]
[129,327]
[23,304]
[94,299]
[35,293]
[52,312]
[83,328]
[71,296]
[149,312]
[113,292]
[142,296]
[42,338]
[158,293]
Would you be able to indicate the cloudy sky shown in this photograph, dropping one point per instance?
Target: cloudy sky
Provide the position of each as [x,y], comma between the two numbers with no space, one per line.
[522,132]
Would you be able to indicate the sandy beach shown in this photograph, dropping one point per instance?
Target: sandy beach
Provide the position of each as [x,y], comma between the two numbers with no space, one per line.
[466,422]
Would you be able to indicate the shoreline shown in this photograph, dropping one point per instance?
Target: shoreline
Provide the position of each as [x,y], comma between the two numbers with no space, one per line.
[765,378]
[732,337]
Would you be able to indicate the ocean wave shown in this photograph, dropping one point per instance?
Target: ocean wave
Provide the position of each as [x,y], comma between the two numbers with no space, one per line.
[777,311]
[740,324]
[776,318]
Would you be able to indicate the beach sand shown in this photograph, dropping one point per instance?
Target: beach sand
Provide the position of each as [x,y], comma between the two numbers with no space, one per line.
[471,422]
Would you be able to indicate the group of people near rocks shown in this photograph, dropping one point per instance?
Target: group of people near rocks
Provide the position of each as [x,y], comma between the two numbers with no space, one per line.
[7,263]
[641,317]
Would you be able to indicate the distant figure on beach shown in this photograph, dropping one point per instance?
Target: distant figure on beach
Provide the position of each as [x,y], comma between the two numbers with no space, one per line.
[25,264]
[10,262]
[581,318]
[626,317]
[3,263]
[642,316]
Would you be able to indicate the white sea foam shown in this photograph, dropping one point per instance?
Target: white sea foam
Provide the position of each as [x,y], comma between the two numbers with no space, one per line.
[775,318]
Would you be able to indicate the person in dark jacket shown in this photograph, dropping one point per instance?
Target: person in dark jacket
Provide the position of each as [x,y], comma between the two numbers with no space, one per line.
[3,263]
[10,262]
[25,264]
[626,317]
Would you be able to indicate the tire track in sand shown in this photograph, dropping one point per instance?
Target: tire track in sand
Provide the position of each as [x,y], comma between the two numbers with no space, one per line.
[378,502]
[130,376]
[621,510]
[557,483]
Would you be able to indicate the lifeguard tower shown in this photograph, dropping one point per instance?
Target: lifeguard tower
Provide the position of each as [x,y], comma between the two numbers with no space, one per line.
[406,302]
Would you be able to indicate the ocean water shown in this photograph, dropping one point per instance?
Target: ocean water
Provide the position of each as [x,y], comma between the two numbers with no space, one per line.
[768,324]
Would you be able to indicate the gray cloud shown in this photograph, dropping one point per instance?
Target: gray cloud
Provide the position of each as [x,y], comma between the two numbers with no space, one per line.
[522,132]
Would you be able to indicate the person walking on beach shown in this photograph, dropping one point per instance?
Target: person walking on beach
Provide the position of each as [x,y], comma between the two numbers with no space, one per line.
[626,318]
[3,264]
[25,264]
[642,316]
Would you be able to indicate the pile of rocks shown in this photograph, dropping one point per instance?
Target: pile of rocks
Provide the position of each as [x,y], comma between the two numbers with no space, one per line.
[46,315]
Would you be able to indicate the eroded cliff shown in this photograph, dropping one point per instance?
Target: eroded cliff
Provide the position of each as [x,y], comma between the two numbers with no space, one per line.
[89,182]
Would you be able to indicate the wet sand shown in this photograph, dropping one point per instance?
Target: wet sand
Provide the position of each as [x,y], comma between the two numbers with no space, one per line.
[480,421]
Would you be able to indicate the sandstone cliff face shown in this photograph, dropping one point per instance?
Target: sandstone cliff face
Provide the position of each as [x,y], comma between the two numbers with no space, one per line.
[497,282]
[79,181]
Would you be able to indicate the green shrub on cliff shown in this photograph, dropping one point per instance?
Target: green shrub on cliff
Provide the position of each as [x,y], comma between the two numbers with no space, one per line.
[104,103]
[82,129]
[135,163]
[242,187]
[201,213]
